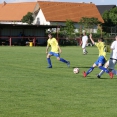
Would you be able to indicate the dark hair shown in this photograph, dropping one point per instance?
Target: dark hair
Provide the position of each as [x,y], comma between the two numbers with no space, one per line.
[102,39]
[81,35]
[84,33]
[50,34]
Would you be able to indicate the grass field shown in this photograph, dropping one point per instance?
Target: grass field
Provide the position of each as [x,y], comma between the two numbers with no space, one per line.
[29,89]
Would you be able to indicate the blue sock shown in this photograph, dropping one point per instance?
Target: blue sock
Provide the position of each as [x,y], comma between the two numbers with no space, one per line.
[104,69]
[90,70]
[63,60]
[49,61]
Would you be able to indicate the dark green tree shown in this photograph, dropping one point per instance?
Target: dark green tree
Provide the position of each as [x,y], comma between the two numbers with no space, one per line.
[110,19]
[113,15]
[107,19]
[28,18]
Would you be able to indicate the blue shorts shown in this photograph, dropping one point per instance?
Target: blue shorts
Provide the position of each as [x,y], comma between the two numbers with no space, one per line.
[100,60]
[54,54]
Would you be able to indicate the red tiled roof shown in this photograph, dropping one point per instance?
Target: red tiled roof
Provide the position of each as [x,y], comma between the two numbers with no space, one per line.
[53,11]
[61,11]
[15,11]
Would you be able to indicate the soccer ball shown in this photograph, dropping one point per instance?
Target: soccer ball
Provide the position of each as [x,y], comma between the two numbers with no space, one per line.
[76,70]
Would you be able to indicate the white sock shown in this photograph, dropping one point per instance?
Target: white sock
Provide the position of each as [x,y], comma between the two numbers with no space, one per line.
[84,51]
[101,73]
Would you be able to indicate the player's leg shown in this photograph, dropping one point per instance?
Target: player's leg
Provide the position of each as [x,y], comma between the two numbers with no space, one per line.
[84,49]
[103,68]
[61,59]
[89,71]
[100,61]
[102,71]
[114,72]
[100,65]
[49,60]
[112,63]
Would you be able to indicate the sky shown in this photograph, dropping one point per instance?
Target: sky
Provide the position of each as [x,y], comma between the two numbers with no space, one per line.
[97,2]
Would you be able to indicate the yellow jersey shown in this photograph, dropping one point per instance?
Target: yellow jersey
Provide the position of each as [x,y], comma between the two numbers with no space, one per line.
[102,49]
[54,45]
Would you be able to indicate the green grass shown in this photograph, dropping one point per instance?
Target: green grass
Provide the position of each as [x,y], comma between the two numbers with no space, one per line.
[29,89]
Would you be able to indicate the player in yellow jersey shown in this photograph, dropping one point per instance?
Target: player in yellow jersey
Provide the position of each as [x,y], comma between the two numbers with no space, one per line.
[101,59]
[110,64]
[55,51]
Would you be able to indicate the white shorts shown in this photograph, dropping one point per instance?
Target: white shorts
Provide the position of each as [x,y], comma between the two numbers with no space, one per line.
[112,63]
[83,45]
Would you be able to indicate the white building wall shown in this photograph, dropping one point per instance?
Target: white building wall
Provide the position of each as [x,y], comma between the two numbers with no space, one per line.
[40,19]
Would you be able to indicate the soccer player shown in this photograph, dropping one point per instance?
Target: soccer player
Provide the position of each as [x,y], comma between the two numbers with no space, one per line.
[55,51]
[113,59]
[101,59]
[84,42]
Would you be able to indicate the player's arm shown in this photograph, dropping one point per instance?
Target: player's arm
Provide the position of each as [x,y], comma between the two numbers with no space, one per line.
[59,49]
[47,48]
[87,40]
[81,43]
[112,46]
[90,36]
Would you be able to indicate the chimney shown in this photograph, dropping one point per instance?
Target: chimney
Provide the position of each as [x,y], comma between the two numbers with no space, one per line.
[4,3]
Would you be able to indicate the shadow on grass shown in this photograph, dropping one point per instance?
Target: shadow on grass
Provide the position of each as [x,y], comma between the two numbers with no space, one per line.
[103,78]
[80,67]
[97,78]
[91,54]
[109,78]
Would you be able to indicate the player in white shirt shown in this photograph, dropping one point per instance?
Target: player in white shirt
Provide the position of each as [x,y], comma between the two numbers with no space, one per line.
[113,59]
[84,42]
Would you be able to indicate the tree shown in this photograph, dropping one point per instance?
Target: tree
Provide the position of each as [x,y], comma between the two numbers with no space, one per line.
[28,18]
[113,15]
[107,19]
[88,23]
[110,19]
[69,28]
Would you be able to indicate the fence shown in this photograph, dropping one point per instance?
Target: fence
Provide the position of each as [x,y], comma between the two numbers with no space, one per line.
[23,41]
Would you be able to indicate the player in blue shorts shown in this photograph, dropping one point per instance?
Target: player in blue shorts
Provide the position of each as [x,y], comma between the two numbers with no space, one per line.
[55,51]
[101,59]
[110,64]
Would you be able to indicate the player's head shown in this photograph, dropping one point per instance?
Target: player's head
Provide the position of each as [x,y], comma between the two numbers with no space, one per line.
[101,39]
[49,35]
[84,33]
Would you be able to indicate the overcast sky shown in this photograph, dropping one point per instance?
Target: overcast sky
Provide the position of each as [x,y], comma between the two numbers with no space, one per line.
[97,2]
